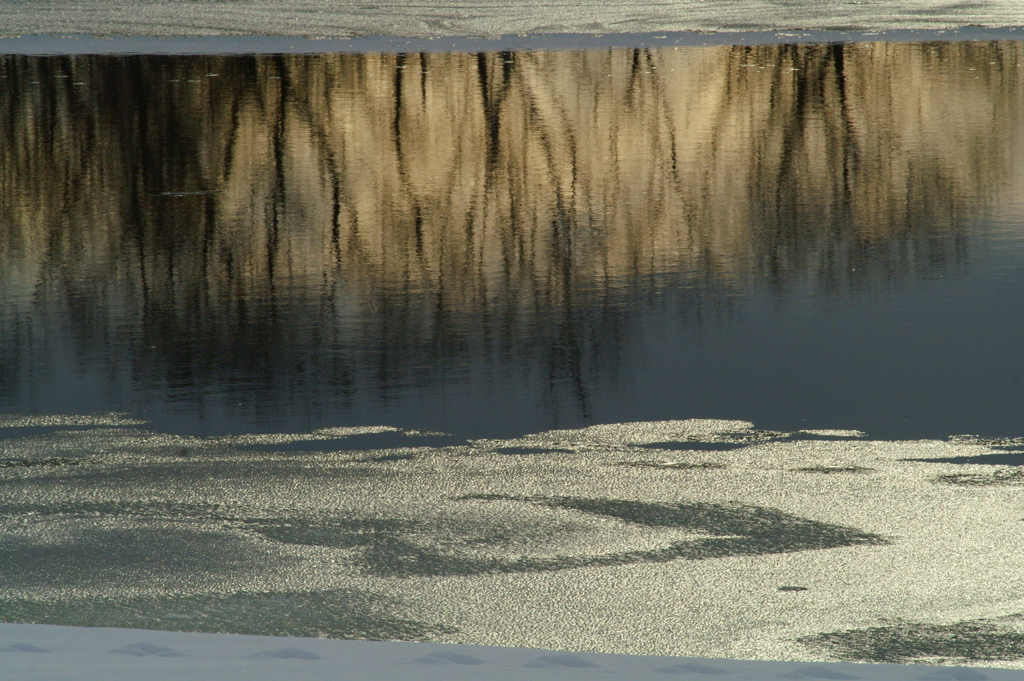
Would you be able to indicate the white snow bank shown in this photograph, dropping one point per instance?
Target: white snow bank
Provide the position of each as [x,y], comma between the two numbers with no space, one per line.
[345,18]
[35,651]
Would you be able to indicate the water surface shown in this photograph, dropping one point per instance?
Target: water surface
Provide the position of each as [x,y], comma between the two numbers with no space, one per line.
[803,236]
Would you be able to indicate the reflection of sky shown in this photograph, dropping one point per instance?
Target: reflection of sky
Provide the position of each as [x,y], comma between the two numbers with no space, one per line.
[790,235]
[937,363]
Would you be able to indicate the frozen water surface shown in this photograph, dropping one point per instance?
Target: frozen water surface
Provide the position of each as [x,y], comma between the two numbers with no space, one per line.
[790,546]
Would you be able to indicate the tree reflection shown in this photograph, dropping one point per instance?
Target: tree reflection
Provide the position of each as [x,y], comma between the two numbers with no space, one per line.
[356,226]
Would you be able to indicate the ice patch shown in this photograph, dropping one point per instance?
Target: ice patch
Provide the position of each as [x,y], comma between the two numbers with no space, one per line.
[835,433]
[68,420]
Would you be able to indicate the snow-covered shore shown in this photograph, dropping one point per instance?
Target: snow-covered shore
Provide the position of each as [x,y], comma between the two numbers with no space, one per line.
[30,651]
[86,44]
[323,18]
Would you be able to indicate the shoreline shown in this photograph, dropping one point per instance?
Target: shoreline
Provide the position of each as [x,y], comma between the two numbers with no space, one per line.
[84,654]
[85,44]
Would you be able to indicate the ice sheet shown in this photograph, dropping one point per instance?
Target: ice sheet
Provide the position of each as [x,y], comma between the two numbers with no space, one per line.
[698,538]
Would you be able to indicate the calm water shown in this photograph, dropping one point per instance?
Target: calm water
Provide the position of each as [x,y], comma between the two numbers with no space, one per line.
[811,236]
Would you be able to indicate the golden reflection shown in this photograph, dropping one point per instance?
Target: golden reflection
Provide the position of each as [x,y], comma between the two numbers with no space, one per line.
[496,174]
[406,189]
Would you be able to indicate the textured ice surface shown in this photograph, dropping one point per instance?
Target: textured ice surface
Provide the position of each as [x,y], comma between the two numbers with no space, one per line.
[755,544]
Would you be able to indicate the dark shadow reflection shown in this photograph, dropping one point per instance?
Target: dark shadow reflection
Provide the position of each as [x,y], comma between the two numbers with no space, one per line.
[965,642]
[122,556]
[395,548]
[402,547]
[314,234]
[339,613]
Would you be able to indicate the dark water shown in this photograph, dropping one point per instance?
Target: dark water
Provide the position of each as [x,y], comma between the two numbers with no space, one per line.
[809,236]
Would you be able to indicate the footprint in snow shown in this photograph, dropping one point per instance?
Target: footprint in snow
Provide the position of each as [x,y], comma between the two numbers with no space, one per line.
[561,660]
[692,667]
[816,672]
[23,648]
[286,654]
[145,649]
[446,658]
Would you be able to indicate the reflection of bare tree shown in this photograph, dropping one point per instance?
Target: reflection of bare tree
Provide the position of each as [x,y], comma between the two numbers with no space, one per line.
[360,221]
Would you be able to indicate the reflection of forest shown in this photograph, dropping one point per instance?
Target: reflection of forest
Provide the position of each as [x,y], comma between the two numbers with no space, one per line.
[392,211]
